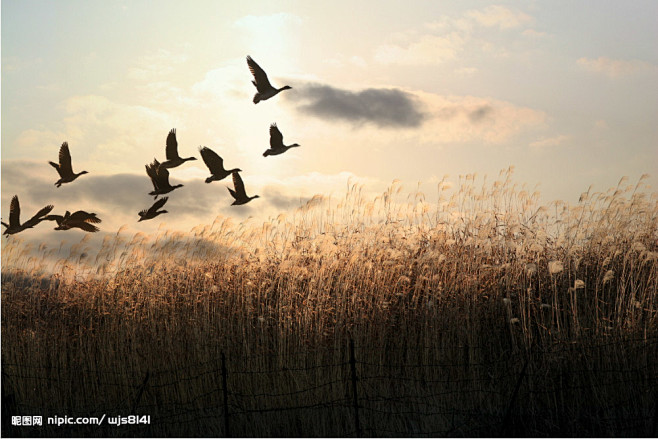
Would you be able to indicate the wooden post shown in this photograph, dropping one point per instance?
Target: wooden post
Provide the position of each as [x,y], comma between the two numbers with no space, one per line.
[227,431]
[355,397]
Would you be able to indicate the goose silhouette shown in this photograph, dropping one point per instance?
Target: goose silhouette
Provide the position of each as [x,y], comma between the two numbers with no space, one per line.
[262,84]
[239,193]
[215,164]
[15,225]
[173,159]
[78,219]
[152,211]
[64,168]
[276,142]
[160,178]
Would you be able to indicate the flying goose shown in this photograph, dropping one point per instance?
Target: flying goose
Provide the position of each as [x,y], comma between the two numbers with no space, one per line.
[215,164]
[276,142]
[262,84]
[152,211]
[15,225]
[160,179]
[173,159]
[78,219]
[239,193]
[64,168]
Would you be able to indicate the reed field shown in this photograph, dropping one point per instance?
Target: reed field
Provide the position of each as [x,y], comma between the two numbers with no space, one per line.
[473,310]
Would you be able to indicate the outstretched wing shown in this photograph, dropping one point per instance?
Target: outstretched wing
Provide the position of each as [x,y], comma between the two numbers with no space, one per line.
[158,204]
[56,166]
[14,212]
[83,216]
[39,216]
[276,138]
[65,159]
[214,162]
[261,82]
[239,186]
[57,218]
[172,145]
[152,172]
[162,176]
[84,226]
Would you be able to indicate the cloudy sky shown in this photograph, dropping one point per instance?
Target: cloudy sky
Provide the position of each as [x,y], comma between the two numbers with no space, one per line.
[565,91]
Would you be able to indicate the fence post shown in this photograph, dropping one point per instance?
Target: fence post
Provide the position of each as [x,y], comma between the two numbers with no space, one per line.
[225,392]
[357,424]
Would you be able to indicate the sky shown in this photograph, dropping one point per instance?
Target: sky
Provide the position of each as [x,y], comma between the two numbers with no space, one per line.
[563,91]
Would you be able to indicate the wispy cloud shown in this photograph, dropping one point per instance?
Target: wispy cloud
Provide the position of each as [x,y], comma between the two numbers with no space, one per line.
[550,141]
[499,16]
[102,134]
[390,108]
[614,68]
[453,119]
[445,38]
[428,49]
[158,65]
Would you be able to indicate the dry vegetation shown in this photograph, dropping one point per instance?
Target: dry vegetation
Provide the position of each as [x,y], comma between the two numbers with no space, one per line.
[477,279]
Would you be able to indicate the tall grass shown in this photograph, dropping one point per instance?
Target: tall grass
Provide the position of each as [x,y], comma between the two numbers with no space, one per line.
[464,276]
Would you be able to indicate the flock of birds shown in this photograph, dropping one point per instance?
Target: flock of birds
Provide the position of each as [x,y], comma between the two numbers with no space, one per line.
[157,172]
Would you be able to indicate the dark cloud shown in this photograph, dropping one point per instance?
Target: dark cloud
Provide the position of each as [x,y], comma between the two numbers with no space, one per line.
[282,201]
[480,113]
[115,198]
[386,108]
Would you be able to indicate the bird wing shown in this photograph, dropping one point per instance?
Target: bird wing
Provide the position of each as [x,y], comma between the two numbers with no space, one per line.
[56,166]
[158,204]
[84,226]
[65,159]
[14,212]
[213,161]
[162,176]
[83,216]
[57,218]
[152,172]
[276,138]
[39,216]
[261,82]
[239,186]
[172,145]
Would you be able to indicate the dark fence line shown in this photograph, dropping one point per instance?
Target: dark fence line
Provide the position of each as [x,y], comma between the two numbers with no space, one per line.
[358,398]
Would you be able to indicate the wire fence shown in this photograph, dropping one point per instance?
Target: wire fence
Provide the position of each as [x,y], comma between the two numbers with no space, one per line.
[564,390]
